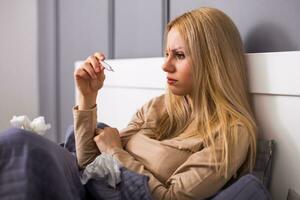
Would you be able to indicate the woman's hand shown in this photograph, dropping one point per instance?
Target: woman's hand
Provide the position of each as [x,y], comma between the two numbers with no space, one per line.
[107,139]
[89,78]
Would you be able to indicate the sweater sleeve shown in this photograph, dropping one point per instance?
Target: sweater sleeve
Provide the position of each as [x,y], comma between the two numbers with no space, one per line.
[85,123]
[196,178]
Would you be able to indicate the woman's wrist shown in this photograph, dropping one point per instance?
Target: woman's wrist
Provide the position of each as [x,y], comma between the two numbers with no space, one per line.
[114,150]
[86,102]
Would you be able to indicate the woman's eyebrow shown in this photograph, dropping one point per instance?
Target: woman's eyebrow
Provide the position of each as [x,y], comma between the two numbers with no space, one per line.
[176,49]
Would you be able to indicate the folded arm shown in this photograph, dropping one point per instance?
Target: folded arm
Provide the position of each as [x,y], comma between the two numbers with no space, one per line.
[196,178]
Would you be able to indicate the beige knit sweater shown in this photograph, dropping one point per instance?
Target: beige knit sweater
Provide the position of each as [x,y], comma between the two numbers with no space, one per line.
[178,168]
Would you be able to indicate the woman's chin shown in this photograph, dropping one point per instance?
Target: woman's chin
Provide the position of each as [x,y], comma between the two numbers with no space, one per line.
[177,92]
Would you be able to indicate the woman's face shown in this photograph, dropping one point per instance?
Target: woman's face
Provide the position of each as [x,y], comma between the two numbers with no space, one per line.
[177,65]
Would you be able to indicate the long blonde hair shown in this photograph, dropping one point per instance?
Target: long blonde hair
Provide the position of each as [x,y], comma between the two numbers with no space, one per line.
[220,100]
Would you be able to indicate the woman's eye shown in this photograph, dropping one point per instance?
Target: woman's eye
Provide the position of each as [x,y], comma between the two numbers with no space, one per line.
[180,56]
[166,54]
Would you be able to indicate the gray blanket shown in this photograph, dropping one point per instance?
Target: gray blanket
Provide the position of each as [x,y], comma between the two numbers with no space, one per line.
[32,167]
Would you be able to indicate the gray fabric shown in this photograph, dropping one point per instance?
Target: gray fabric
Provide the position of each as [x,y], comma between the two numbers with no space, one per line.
[32,167]
[253,186]
[247,187]
[262,168]
[133,187]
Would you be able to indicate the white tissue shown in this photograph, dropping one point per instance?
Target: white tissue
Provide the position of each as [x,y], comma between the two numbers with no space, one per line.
[103,166]
[38,125]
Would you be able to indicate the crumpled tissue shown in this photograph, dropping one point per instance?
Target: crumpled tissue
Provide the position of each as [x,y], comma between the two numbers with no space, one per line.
[103,166]
[38,125]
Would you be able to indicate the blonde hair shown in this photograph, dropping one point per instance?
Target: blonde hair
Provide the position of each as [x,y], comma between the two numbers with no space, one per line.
[220,99]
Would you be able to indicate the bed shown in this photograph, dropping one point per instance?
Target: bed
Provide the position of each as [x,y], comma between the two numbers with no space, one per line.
[275,91]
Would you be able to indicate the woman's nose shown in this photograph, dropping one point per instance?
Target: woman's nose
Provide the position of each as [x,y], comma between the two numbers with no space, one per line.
[168,66]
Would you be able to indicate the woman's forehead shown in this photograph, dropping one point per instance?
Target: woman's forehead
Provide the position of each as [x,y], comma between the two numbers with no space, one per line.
[175,40]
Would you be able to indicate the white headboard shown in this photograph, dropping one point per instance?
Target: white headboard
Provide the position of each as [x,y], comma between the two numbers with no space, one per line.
[274,86]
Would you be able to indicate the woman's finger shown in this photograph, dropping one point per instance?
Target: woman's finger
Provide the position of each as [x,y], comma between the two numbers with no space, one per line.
[99,56]
[95,63]
[96,138]
[81,73]
[99,131]
[101,78]
[89,69]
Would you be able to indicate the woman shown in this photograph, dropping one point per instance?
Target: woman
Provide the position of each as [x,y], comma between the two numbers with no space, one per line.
[201,133]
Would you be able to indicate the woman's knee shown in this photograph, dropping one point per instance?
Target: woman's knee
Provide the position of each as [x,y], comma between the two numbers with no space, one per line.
[14,134]
[17,136]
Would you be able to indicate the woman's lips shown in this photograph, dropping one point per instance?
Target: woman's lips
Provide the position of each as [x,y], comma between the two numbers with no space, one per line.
[171,81]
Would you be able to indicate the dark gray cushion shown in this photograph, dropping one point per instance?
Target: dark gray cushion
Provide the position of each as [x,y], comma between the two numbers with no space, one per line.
[247,187]
[262,168]
[253,186]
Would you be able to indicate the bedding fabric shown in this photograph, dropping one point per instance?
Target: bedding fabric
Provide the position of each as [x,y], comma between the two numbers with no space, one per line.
[32,167]
[133,186]
[248,187]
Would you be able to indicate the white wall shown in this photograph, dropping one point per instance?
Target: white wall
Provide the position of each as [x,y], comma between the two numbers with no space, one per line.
[278,117]
[18,60]
[275,87]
